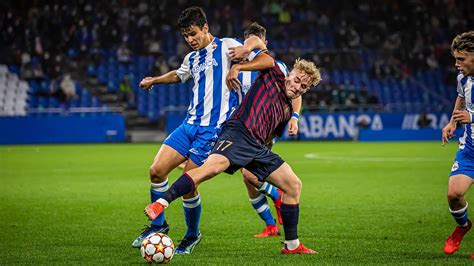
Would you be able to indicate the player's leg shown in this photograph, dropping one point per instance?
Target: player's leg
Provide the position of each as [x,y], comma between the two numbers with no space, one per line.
[203,142]
[286,180]
[457,188]
[169,156]
[265,188]
[165,160]
[188,182]
[192,216]
[260,204]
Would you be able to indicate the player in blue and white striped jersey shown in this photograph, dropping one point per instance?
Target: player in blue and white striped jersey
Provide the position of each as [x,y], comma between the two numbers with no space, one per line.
[462,171]
[256,189]
[211,104]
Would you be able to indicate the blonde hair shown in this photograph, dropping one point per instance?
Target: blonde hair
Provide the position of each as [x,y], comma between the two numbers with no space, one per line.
[310,69]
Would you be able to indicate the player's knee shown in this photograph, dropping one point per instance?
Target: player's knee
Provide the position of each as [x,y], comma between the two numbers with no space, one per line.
[213,170]
[455,196]
[294,187]
[249,178]
[156,175]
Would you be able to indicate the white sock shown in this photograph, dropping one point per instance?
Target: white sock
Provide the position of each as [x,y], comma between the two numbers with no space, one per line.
[163,202]
[292,244]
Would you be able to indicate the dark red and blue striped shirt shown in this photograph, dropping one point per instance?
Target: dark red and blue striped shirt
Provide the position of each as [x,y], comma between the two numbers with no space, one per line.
[265,109]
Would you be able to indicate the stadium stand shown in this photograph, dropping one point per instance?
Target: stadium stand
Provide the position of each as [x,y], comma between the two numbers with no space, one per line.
[370,61]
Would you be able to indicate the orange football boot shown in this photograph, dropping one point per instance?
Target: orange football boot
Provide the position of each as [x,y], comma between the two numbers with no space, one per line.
[153,210]
[453,243]
[277,204]
[301,249]
[270,230]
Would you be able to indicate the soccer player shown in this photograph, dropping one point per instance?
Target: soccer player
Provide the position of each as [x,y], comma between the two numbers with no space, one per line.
[256,189]
[462,171]
[264,112]
[212,103]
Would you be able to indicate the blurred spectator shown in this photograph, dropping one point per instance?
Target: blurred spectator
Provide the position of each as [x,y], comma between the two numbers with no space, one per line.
[124,55]
[126,91]
[424,121]
[68,89]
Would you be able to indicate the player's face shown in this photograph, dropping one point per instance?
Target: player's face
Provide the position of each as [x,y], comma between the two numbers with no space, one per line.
[464,62]
[196,36]
[296,83]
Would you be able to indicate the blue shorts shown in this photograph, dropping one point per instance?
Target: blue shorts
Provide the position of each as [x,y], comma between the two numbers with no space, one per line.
[463,164]
[193,142]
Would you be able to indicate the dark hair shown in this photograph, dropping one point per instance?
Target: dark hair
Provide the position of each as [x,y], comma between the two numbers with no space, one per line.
[192,16]
[463,42]
[255,29]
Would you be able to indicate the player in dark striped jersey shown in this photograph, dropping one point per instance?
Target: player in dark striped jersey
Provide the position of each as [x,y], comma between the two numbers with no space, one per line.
[256,189]
[264,113]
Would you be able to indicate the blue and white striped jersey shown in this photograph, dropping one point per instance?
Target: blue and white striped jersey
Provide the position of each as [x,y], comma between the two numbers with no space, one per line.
[465,91]
[211,101]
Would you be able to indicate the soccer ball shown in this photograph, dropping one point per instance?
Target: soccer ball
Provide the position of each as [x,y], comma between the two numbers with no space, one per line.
[157,248]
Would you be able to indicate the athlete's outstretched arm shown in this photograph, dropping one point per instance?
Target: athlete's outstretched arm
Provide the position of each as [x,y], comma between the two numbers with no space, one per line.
[261,62]
[170,77]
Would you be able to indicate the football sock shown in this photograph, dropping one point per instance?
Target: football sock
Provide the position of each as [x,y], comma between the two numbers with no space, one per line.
[192,215]
[460,215]
[269,190]
[289,216]
[156,191]
[292,244]
[261,206]
[182,186]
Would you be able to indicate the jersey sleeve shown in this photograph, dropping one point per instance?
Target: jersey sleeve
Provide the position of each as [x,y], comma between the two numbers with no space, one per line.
[184,72]
[282,67]
[279,71]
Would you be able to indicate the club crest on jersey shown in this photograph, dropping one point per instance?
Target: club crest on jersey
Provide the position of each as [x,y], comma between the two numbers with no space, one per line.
[214,45]
[455,166]
[204,66]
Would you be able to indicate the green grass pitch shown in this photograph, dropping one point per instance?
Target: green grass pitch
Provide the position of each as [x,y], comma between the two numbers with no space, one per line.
[362,203]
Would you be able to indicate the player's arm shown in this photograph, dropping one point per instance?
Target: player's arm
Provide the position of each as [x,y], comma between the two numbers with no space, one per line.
[293,123]
[261,62]
[448,130]
[170,77]
[241,53]
[460,114]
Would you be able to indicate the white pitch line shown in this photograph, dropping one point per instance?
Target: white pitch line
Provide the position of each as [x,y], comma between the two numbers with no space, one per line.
[316,156]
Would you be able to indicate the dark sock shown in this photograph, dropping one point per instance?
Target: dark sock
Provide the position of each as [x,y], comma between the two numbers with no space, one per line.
[182,186]
[289,215]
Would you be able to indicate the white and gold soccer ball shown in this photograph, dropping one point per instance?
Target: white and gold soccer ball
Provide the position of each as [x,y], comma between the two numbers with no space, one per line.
[157,248]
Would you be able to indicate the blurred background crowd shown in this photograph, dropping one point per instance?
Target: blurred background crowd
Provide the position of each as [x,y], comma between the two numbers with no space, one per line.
[374,55]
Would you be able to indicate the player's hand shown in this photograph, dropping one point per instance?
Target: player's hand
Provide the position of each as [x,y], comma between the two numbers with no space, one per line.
[293,127]
[462,117]
[448,132]
[146,83]
[232,80]
[239,53]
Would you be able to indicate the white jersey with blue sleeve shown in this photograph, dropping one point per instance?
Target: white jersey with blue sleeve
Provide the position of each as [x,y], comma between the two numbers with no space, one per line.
[211,102]
[465,90]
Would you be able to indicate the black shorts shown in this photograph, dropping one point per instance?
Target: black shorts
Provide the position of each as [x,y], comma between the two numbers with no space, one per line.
[243,151]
